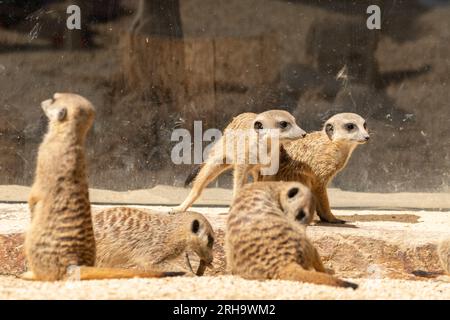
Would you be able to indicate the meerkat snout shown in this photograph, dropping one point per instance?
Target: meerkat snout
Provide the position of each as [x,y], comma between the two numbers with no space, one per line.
[202,239]
[347,127]
[297,202]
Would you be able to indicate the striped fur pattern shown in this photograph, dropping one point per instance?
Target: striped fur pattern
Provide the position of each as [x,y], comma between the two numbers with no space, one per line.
[317,158]
[266,236]
[226,154]
[61,233]
[145,239]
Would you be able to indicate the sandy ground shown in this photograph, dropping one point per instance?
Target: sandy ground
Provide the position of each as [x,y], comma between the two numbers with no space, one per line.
[222,287]
[377,249]
[169,195]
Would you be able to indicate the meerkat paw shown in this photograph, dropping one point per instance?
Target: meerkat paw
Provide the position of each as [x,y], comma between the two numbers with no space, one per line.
[333,220]
[348,284]
[28,275]
[177,209]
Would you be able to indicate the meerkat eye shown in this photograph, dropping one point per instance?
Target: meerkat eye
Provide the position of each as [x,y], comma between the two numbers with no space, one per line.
[195,226]
[292,192]
[258,125]
[210,241]
[62,114]
[283,124]
[350,126]
[365,125]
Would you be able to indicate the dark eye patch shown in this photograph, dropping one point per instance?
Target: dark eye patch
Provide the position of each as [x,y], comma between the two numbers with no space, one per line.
[350,126]
[292,192]
[283,124]
[365,125]
[195,226]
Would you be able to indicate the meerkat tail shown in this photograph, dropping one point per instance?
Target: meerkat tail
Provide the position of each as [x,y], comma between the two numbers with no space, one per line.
[193,174]
[297,273]
[95,273]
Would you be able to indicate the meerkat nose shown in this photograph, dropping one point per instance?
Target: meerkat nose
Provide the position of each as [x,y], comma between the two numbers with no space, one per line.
[304,134]
[367,138]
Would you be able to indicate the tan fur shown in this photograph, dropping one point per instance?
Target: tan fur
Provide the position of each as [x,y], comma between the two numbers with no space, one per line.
[266,237]
[317,158]
[221,159]
[144,239]
[444,254]
[61,235]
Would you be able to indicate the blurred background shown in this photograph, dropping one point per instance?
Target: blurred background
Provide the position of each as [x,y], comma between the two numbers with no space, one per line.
[153,66]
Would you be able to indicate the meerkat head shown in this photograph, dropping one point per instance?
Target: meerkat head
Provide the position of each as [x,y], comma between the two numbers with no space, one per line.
[200,236]
[66,108]
[281,121]
[297,202]
[347,127]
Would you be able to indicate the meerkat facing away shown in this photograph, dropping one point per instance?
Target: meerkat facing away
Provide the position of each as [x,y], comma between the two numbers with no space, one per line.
[228,154]
[60,239]
[266,236]
[144,239]
[317,158]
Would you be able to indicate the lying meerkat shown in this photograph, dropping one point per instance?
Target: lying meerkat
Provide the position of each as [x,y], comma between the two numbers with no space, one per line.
[317,158]
[227,153]
[144,239]
[444,254]
[60,242]
[266,236]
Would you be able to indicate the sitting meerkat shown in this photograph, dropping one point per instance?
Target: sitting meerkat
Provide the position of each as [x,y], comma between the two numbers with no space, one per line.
[144,239]
[317,158]
[227,153]
[59,242]
[444,254]
[266,235]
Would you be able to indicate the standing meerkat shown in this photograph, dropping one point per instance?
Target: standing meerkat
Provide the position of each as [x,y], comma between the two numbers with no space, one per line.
[144,239]
[266,235]
[60,238]
[317,158]
[246,138]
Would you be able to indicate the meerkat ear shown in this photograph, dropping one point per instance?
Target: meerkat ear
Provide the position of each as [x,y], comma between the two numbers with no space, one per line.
[329,129]
[258,125]
[195,226]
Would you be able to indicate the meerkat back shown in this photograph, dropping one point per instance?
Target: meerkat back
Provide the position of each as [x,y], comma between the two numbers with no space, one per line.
[241,142]
[61,234]
[146,239]
[266,237]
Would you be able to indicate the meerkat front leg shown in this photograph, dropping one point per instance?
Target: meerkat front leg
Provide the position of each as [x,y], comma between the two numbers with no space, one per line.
[323,206]
[296,273]
[240,176]
[255,174]
[28,275]
[207,174]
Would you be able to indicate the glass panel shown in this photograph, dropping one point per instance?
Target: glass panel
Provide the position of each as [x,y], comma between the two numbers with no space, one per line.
[154,67]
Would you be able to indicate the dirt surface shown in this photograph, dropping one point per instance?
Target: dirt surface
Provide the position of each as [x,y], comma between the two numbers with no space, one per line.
[222,287]
[391,254]
[170,195]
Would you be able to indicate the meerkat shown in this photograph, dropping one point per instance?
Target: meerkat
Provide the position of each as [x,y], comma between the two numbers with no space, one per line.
[144,239]
[317,158]
[444,254]
[227,153]
[266,235]
[59,242]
